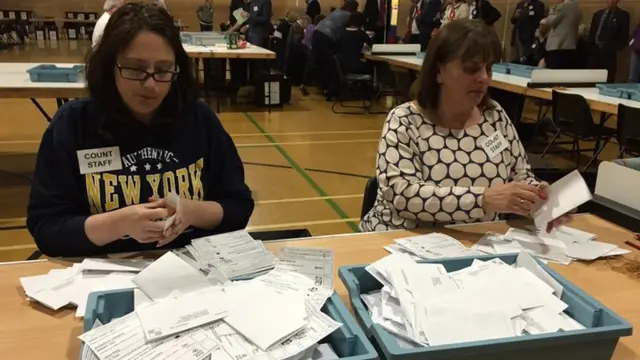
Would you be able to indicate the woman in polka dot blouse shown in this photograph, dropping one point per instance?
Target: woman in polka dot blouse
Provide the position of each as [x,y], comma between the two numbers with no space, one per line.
[453,155]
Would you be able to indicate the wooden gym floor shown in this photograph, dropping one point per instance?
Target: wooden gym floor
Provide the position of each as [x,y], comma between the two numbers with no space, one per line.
[306,166]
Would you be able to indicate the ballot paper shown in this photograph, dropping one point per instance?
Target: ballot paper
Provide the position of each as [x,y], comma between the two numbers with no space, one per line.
[433,246]
[564,195]
[318,326]
[284,282]
[488,299]
[172,316]
[123,339]
[238,14]
[567,234]
[235,254]
[173,202]
[397,249]
[85,352]
[169,276]
[589,250]
[262,322]
[317,264]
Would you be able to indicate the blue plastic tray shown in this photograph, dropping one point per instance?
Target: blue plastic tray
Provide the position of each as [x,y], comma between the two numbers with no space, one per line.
[513,69]
[597,342]
[349,341]
[53,73]
[622,91]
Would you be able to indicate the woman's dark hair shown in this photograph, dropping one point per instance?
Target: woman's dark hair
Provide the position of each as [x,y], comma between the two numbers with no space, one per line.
[356,20]
[465,39]
[350,5]
[117,122]
[318,18]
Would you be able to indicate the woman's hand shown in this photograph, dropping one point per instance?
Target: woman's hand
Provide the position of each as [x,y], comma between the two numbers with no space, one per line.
[181,221]
[515,197]
[562,220]
[141,221]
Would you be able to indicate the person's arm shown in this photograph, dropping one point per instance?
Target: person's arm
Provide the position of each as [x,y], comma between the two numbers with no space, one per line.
[366,38]
[490,14]
[199,13]
[230,205]
[58,214]
[264,16]
[399,170]
[624,31]
[517,14]
[593,29]
[555,17]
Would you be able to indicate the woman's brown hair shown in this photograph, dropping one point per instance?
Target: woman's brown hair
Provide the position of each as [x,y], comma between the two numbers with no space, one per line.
[464,39]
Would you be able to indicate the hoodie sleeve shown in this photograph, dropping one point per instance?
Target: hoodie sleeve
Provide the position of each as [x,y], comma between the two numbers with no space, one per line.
[58,207]
[230,189]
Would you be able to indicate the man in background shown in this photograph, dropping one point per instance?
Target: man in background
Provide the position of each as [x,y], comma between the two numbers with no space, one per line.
[377,16]
[526,20]
[109,7]
[563,23]
[205,16]
[313,9]
[608,35]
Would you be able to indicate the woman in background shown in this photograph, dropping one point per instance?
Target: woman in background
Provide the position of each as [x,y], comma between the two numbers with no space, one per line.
[634,64]
[351,45]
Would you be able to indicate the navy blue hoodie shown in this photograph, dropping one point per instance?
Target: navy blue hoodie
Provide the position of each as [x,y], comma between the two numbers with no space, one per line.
[198,160]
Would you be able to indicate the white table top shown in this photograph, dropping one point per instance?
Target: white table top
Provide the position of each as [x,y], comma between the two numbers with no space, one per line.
[222,49]
[14,75]
[590,93]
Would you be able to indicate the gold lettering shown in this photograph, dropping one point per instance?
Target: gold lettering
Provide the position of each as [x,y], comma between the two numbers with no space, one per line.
[195,171]
[183,183]
[93,192]
[154,181]
[168,182]
[130,186]
[111,198]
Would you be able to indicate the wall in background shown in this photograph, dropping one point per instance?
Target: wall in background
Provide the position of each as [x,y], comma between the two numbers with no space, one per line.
[185,11]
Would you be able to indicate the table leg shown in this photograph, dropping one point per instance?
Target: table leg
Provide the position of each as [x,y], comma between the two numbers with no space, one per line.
[42,111]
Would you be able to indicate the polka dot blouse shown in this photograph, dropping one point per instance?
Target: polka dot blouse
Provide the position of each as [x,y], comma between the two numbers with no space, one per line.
[428,174]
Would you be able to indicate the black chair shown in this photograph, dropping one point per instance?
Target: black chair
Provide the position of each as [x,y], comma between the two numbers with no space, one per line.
[351,84]
[572,117]
[386,86]
[628,131]
[370,194]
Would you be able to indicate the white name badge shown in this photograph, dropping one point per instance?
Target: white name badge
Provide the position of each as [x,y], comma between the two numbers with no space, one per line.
[255,8]
[494,144]
[99,160]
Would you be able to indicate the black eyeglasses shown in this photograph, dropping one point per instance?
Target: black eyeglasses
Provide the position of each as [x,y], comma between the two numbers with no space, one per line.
[143,75]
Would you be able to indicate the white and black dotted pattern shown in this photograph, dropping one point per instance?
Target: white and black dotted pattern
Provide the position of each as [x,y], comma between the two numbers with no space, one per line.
[428,174]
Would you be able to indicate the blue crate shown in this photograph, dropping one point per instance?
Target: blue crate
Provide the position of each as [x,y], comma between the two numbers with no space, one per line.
[597,342]
[349,342]
[513,69]
[54,73]
[622,91]
[420,55]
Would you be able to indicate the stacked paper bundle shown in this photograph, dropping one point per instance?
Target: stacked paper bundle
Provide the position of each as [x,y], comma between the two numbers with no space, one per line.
[561,245]
[181,314]
[424,305]
[235,255]
[430,246]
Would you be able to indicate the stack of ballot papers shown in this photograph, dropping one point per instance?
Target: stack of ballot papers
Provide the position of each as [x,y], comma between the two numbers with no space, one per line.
[430,246]
[181,314]
[424,305]
[72,285]
[562,245]
[234,255]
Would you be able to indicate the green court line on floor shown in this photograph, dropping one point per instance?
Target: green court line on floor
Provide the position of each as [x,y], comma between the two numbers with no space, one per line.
[338,210]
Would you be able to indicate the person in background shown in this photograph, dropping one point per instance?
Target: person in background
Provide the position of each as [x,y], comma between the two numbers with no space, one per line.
[534,55]
[526,22]
[109,7]
[412,35]
[324,42]
[377,14]
[284,25]
[259,21]
[634,61]
[307,41]
[308,32]
[205,16]
[428,20]
[563,22]
[160,4]
[107,163]
[433,168]
[483,10]
[295,50]
[313,9]
[280,37]
[351,44]
[607,37]
[454,10]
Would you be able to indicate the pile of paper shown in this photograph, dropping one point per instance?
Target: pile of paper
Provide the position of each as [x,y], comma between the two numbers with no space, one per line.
[235,255]
[561,246]
[72,285]
[181,314]
[424,305]
[430,246]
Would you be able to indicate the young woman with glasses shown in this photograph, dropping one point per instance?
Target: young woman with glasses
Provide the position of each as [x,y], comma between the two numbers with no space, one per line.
[107,164]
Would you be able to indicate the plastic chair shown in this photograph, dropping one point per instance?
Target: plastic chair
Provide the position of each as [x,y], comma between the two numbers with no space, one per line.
[370,194]
[572,117]
[361,83]
[628,132]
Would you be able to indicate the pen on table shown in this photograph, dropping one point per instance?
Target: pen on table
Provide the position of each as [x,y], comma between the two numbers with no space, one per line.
[635,246]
